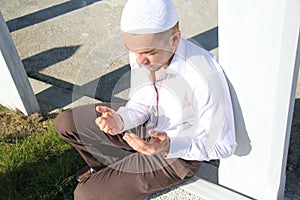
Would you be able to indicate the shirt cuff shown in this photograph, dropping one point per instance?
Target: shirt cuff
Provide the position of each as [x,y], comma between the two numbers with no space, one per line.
[179,147]
[127,123]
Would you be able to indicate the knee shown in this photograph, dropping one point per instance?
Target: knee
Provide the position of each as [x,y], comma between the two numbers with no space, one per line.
[64,122]
[81,192]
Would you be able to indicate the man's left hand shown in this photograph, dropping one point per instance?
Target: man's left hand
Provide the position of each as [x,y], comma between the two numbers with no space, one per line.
[159,143]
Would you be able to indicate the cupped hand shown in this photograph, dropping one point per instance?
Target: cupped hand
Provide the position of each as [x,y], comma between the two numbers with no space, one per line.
[110,122]
[158,144]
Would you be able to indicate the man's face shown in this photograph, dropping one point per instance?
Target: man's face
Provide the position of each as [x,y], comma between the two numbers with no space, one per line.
[152,51]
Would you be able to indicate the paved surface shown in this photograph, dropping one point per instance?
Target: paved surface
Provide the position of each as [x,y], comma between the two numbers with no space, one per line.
[73,53]
[70,44]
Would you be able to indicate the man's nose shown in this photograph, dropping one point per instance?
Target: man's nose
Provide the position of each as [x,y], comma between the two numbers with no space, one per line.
[141,59]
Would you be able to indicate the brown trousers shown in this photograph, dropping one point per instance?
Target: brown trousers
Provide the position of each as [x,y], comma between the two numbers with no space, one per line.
[122,173]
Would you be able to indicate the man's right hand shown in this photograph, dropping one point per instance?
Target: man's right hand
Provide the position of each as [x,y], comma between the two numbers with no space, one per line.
[110,122]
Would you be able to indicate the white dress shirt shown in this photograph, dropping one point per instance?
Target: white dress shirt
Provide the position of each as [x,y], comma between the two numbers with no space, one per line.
[190,101]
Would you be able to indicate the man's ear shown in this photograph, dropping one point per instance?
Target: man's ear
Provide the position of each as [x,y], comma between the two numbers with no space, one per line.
[174,39]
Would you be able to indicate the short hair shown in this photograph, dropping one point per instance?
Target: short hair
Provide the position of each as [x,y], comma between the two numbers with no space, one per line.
[166,34]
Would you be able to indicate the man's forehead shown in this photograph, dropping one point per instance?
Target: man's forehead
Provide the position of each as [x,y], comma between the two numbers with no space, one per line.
[141,42]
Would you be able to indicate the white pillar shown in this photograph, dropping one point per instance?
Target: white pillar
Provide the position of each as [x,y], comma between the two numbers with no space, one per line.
[15,90]
[259,49]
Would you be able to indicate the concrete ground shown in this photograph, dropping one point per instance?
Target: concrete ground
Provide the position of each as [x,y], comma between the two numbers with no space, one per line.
[70,44]
[73,53]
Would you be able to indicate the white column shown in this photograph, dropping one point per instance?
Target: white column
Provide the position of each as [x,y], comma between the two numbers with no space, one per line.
[15,90]
[259,50]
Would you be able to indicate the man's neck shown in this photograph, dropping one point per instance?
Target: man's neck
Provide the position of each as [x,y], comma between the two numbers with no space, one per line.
[155,75]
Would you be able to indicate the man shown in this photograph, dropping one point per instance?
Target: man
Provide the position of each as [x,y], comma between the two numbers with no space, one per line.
[178,115]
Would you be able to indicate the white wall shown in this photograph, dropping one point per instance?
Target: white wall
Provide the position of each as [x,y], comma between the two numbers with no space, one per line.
[257,48]
[15,90]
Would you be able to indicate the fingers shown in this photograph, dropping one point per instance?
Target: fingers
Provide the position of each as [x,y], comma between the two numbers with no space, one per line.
[110,122]
[103,109]
[161,139]
[102,123]
[158,134]
[138,144]
[159,143]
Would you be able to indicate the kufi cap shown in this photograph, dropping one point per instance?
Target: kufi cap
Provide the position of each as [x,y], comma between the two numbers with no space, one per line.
[148,16]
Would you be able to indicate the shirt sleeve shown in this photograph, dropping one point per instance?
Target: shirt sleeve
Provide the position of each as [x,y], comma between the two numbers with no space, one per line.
[137,110]
[212,136]
[135,113]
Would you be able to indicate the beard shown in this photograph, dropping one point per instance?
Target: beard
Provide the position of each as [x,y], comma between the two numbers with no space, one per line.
[153,67]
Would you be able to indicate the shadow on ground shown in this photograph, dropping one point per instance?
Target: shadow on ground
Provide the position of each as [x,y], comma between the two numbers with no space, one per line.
[46,14]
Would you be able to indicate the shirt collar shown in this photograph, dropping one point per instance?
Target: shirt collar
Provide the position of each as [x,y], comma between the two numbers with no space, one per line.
[177,64]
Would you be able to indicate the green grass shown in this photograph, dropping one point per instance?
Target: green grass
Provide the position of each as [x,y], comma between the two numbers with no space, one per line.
[34,162]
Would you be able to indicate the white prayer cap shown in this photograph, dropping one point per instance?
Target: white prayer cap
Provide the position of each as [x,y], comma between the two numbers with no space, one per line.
[148,16]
